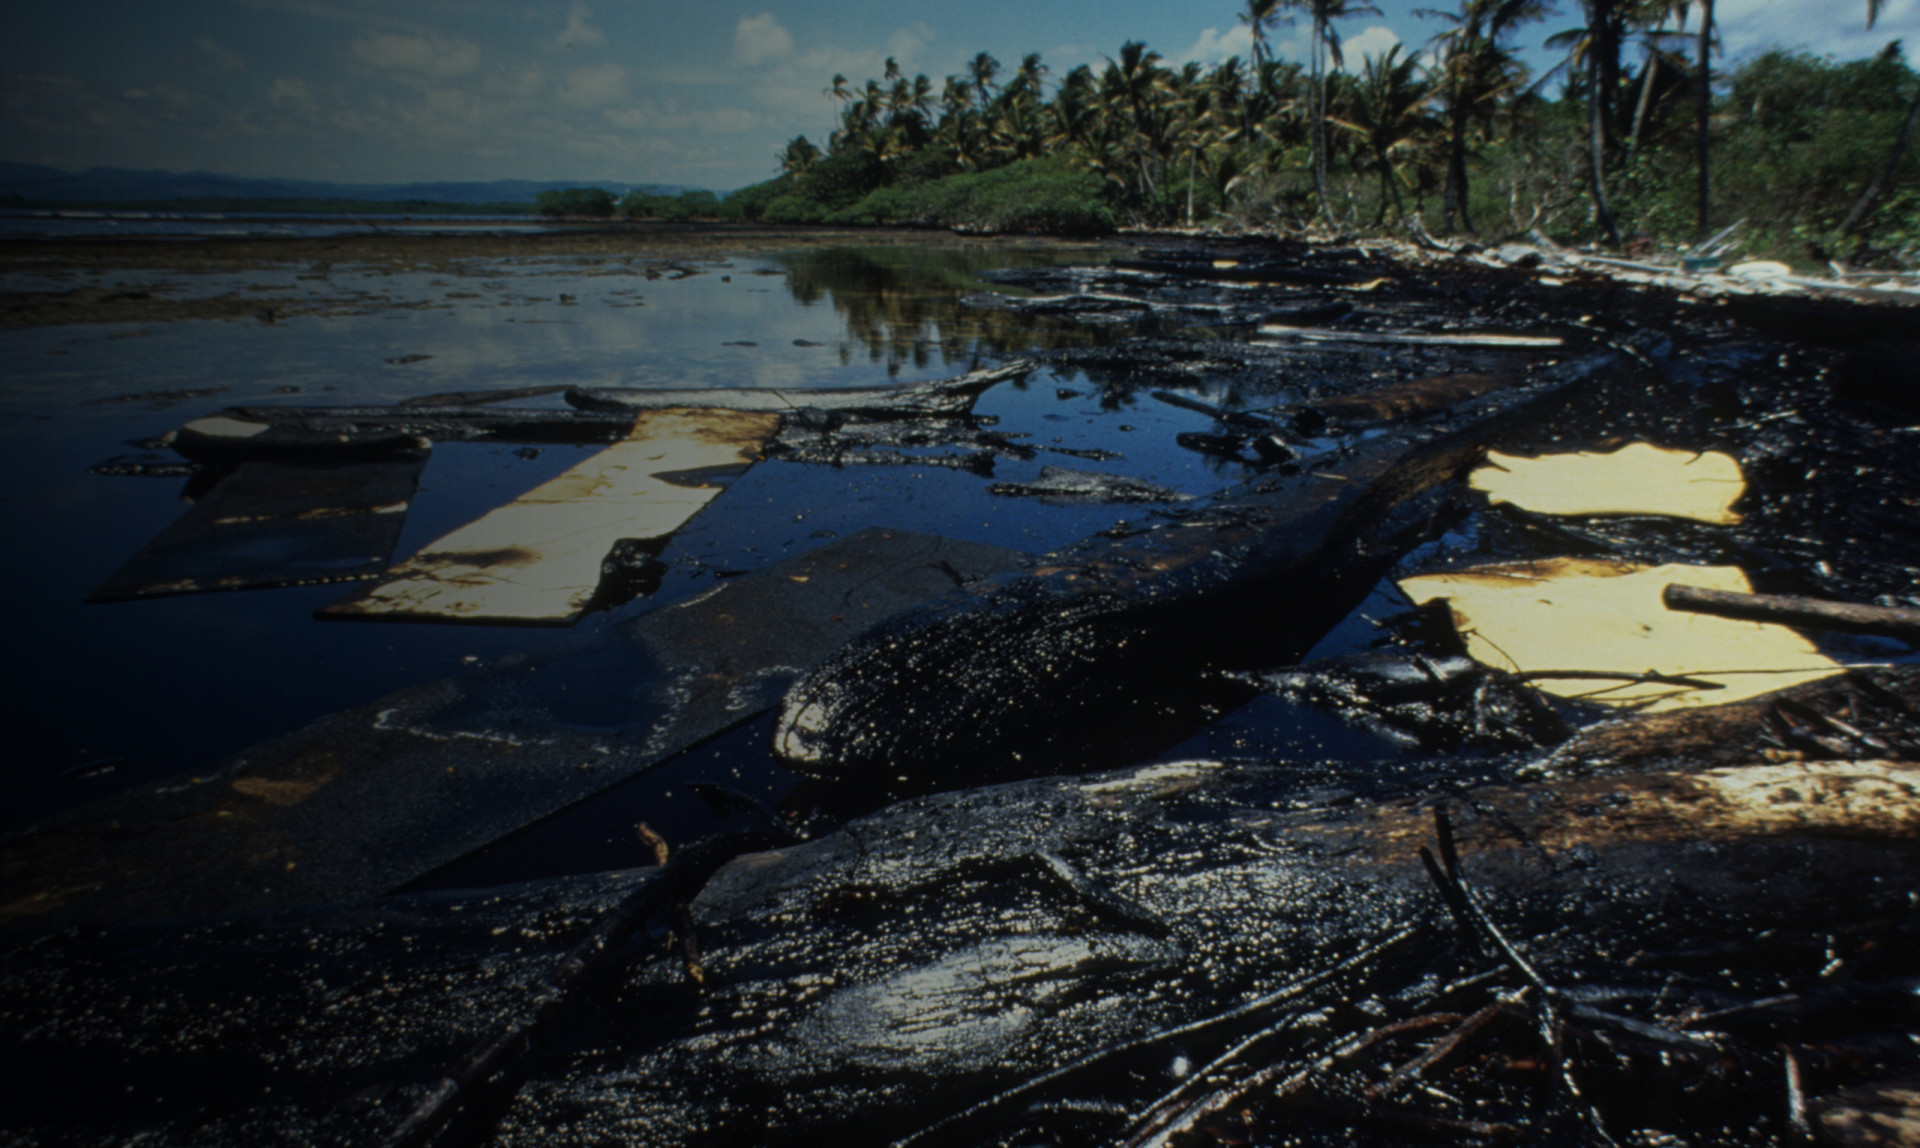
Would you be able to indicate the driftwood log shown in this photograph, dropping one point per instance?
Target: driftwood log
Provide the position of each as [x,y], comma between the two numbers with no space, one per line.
[1898,622]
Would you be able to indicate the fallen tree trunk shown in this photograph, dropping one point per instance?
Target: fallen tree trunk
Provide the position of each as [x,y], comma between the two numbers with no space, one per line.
[1898,622]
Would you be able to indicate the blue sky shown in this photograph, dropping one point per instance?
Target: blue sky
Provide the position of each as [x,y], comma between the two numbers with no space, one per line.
[664,91]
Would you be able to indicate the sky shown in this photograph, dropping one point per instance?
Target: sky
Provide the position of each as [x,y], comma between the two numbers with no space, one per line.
[701,93]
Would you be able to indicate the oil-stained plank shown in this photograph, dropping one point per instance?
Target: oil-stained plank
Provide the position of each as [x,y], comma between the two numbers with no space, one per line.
[537,560]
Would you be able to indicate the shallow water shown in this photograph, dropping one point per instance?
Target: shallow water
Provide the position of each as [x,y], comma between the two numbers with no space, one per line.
[108,694]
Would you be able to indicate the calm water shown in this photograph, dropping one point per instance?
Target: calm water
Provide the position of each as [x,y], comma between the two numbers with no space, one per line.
[208,225]
[105,695]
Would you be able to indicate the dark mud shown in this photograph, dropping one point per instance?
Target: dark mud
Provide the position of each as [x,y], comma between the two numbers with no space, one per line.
[1076,961]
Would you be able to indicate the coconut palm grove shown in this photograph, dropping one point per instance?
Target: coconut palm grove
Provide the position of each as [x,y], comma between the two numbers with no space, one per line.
[1640,135]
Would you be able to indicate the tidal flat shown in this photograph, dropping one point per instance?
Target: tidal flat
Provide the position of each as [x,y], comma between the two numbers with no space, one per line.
[1090,760]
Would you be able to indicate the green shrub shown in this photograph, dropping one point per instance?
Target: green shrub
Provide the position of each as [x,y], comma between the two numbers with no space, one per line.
[1031,195]
[595,202]
[751,202]
[671,208]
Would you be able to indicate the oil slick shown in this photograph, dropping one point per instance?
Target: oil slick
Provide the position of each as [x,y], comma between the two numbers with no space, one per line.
[1636,479]
[1567,614]
[272,524]
[537,560]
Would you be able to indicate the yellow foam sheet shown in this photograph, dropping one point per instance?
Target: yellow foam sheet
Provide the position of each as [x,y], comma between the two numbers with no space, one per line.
[1636,479]
[1588,614]
[537,559]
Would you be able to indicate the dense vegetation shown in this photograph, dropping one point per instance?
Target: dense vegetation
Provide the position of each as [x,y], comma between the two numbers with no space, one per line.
[1461,133]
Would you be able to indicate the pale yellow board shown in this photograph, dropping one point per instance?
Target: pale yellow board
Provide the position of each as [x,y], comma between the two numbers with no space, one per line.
[1639,478]
[537,559]
[1587,614]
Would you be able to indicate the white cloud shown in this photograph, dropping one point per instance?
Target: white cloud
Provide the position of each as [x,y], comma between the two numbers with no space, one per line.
[1214,46]
[426,55]
[759,40]
[580,31]
[224,58]
[291,92]
[1373,41]
[905,43]
[659,119]
[1748,27]
[591,87]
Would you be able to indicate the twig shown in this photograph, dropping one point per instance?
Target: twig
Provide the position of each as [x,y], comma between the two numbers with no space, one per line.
[1442,1048]
[683,876]
[1654,677]
[1251,1008]
[1796,1099]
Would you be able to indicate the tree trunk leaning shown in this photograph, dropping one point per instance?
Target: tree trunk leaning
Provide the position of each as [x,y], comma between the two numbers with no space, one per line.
[1878,187]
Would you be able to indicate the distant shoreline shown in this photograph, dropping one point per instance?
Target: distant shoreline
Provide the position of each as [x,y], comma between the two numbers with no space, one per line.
[632,246]
[295,206]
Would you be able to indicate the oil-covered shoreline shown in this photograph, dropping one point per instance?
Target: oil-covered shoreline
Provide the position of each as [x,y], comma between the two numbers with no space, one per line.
[1291,836]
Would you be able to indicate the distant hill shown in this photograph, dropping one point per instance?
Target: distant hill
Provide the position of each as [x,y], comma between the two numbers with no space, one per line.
[119,185]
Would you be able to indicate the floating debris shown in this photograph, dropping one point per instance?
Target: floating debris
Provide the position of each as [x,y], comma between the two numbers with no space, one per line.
[1639,478]
[1063,484]
[481,398]
[159,399]
[1564,615]
[953,396]
[240,433]
[277,524]
[537,560]
[1399,401]
[1417,338]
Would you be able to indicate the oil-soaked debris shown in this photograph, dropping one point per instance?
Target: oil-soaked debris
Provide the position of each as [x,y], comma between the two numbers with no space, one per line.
[941,397]
[546,558]
[1440,704]
[1254,450]
[159,399]
[145,465]
[277,524]
[1103,644]
[1127,957]
[481,398]
[1060,483]
[538,559]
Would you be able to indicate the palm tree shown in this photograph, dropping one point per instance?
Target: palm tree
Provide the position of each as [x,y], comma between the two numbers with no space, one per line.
[1387,115]
[1595,47]
[1135,84]
[1259,16]
[798,156]
[1323,43]
[1476,69]
[1878,187]
[1703,115]
[980,72]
